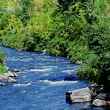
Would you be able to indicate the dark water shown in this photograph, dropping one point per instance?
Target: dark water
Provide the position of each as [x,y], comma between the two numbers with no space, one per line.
[40,85]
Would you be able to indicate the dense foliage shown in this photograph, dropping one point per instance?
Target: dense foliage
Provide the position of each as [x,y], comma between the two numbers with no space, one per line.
[77,29]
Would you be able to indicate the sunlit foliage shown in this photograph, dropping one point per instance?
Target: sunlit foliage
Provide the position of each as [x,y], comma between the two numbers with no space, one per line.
[77,29]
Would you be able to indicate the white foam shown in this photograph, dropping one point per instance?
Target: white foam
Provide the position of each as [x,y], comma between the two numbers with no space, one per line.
[41,70]
[26,59]
[19,59]
[13,59]
[22,85]
[52,67]
[58,82]
[68,71]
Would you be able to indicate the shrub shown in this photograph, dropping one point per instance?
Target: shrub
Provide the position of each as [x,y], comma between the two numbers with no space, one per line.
[87,72]
[3,69]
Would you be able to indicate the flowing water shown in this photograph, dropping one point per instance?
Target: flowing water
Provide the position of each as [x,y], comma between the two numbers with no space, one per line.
[40,84]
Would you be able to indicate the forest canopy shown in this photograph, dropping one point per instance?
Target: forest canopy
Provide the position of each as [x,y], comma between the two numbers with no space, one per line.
[76,29]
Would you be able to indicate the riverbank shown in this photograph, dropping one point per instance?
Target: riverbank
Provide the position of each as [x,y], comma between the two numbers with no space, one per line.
[94,96]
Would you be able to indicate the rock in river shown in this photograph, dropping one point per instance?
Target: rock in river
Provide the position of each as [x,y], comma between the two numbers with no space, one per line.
[11,74]
[99,103]
[8,77]
[3,78]
[102,99]
[78,96]
[11,80]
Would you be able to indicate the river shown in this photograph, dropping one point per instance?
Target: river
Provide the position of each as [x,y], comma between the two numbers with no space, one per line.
[40,84]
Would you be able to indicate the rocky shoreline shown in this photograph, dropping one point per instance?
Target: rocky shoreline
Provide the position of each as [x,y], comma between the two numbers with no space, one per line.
[9,77]
[93,94]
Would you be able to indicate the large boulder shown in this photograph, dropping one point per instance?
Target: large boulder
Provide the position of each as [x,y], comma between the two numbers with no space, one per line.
[78,96]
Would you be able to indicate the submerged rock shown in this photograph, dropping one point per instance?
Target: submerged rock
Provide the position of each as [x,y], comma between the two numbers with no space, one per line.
[78,96]
[102,99]
[11,80]
[99,103]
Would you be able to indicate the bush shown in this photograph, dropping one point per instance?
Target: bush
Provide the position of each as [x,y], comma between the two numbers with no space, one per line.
[77,51]
[3,69]
[87,72]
